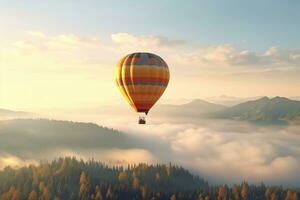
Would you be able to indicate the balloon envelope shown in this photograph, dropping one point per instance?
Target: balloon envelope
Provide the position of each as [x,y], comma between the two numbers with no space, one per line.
[142,78]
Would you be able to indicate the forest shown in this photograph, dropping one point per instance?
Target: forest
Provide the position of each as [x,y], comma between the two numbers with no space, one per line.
[71,179]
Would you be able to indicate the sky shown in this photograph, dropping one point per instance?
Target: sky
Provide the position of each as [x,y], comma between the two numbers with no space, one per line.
[62,54]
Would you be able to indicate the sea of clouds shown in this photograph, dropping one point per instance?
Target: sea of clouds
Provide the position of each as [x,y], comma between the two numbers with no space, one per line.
[220,151]
[226,151]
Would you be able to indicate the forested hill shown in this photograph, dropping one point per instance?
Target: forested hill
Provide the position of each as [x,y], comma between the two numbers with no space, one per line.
[43,136]
[70,179]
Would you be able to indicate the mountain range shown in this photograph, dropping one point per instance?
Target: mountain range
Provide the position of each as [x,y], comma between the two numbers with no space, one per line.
[195,108]
[265,110]
[277,110]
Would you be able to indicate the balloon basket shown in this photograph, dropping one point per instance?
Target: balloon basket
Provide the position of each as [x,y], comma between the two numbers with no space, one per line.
[142,120]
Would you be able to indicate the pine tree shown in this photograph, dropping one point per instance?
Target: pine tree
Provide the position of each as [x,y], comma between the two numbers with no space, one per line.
[32,195]
[98,195]
[274,196]
[268,193]
[83,186]
[245,191]
[207,198]
[135,183]
[16,195]
[290,195]
[123,176]
[173,197]
[235,192]
[200,197]
[222,194]
[109,193]
[45,194]
[143,192]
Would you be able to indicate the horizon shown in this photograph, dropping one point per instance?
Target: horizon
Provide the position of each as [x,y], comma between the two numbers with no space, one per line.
[224,100]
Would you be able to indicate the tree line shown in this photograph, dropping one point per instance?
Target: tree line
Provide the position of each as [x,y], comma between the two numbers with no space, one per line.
[72,179]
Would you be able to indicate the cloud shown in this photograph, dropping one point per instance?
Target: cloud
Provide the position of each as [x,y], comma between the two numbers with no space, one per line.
[62,54]
[111,156]
[36,34]
[69,49]
[227,152]
[63,42]
[39,139]
[38,50]
[39,67]
[144,41]
[220,151]
[15,162]
[234,156]
[228,54]
[277,56]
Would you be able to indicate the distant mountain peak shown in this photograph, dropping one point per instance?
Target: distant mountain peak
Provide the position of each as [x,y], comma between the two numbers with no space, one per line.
[265,98]
[197,101]
[278,98]
[195,108]
[264,110]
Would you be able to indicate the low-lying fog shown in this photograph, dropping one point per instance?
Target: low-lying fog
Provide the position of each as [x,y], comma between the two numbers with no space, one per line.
[220,151]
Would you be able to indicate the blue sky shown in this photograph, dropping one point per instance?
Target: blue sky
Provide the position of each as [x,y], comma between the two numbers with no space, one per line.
[255,24]
[213,48]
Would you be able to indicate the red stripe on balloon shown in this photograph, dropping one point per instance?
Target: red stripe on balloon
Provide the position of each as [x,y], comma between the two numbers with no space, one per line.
[144,79]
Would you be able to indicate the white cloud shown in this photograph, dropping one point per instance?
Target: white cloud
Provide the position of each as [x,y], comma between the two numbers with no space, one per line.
[223,154]
[36,34]
[277,56]
[44,42]
[144,42]
[229,54]
[71,48]
[15,162]
[220,151]
[113,156]
[42,63]
[37,49]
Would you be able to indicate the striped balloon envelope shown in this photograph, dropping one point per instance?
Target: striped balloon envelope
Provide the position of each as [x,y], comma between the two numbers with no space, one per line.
[142,78]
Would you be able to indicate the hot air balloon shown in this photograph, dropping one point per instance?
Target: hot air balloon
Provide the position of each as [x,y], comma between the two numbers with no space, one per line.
[142,78]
